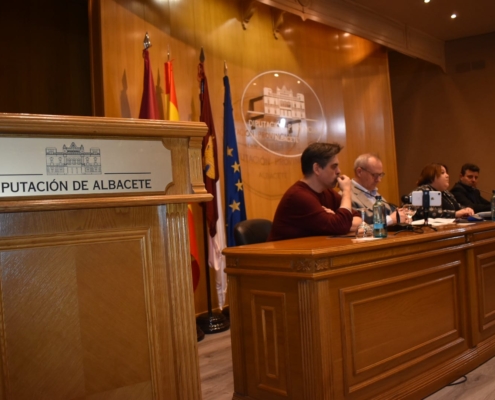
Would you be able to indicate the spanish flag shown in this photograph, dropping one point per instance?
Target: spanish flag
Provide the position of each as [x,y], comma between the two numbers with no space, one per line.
[170,96]
[173,115]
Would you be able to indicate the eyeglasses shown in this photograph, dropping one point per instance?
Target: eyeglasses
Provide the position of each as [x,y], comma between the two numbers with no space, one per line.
[376,176]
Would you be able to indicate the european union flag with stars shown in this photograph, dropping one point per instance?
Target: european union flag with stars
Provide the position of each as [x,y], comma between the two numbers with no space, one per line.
[235,207]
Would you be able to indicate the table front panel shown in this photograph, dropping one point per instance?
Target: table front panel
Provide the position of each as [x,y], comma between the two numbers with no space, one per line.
[485,268]
[396,325]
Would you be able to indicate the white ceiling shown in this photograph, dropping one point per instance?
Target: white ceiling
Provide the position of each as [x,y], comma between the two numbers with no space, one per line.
[474,17]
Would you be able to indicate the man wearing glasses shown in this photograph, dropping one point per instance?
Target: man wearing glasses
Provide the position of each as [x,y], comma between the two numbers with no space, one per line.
[368,173]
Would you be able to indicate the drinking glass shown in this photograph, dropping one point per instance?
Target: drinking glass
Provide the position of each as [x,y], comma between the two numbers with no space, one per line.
[363,230]
[409,210]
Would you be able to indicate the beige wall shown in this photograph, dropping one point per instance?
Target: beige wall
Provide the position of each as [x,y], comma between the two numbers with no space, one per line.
[446,117]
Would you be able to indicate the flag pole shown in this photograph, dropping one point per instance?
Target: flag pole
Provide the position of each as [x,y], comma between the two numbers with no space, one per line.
[172,114]
[209,322]
[225,310]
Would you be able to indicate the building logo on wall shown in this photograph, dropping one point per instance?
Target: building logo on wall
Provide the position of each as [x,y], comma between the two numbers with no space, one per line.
[73,160]
[282,113]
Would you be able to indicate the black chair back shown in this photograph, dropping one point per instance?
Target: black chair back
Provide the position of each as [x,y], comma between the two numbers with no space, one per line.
[252,231]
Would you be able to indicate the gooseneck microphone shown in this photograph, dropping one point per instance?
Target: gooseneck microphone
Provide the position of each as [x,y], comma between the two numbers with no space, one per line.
[484,191]
[373,197]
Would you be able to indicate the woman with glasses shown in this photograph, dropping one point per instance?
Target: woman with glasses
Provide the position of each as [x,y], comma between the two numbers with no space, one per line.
[435,177]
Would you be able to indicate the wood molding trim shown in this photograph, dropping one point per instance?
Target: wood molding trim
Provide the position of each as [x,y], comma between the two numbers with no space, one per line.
[248,11]
[60,125]
[196,165]
[180,278]
[352,18]
[316,352]
[239,365]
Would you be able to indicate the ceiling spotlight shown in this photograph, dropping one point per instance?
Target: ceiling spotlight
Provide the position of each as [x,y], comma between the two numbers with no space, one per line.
[453,16]
[427,1]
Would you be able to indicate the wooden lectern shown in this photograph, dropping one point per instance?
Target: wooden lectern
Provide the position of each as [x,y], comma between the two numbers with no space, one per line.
[96,289]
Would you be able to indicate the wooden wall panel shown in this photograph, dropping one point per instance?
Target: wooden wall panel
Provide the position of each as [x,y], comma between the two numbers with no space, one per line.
[337,66]
[45,68]
[348,74]
[445,116]
[368,111]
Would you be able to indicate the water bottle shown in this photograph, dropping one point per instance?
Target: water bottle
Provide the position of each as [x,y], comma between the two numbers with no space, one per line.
[380,219]
[493,205]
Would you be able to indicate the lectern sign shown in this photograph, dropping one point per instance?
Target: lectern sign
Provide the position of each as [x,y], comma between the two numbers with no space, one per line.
[62,166]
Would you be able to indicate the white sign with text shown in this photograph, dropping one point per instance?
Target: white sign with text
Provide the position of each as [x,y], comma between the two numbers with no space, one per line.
[65,166]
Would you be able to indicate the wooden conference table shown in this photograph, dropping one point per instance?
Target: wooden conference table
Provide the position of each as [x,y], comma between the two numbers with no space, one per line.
[326,318]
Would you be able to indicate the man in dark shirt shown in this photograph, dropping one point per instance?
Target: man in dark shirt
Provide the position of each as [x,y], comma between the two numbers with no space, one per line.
[311,207]
[465,190]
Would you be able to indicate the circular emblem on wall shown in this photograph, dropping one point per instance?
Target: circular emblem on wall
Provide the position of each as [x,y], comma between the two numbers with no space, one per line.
[282,113]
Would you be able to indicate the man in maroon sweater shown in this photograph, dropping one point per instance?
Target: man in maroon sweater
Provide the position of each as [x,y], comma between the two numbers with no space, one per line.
[311,207]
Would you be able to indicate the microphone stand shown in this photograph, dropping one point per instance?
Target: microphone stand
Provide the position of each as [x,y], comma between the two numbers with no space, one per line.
[426,208]
[398,227]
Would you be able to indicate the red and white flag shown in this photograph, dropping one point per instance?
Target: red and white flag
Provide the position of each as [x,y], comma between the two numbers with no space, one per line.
[213,209]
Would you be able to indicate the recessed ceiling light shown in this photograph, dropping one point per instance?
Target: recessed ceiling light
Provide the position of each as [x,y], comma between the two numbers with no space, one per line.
[427,1]
[453,16]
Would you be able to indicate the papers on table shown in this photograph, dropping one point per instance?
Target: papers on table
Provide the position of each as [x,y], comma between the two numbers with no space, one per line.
[366,239]
[435,221]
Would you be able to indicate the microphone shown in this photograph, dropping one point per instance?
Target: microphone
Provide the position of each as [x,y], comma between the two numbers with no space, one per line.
[485,191]
[373,197]
[406,199]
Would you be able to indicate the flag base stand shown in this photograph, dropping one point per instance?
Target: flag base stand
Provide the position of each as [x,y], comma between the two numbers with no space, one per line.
[212,322]
[200,335]
[226,312]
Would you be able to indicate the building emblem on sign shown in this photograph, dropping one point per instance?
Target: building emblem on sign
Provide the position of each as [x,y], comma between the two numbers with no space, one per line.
[73,160]
[283,103]
[282,113]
